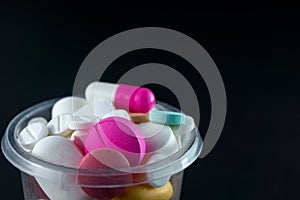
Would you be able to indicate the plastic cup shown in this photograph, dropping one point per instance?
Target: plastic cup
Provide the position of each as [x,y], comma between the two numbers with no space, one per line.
[64,179]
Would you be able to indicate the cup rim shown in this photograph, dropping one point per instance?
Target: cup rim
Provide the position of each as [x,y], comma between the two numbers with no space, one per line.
[29,164]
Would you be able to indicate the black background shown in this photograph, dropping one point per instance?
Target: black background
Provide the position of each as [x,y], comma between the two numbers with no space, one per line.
[255,48]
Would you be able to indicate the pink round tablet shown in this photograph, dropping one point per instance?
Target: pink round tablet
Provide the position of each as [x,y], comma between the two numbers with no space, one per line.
[104,159]
[120,134]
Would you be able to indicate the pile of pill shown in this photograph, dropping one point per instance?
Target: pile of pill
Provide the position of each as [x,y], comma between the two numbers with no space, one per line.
[113,127]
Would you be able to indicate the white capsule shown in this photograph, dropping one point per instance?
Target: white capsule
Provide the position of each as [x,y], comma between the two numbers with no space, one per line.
[99,90]
[117,113]
[38,119]
[59,125]
[158,178]
[97,108]
[67,105]
[82,122]
[30,135]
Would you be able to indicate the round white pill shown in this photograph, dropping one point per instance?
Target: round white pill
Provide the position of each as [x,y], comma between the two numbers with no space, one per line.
[117,113]
[97,108]
[82,122]
[59,125]
[30,135]
[67,105]
[158,178]
[38,119]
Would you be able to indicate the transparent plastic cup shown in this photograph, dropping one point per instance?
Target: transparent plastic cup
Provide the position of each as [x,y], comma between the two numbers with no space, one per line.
[35,172]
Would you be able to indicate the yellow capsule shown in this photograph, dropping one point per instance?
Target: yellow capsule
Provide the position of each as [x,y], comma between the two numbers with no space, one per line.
[147,192]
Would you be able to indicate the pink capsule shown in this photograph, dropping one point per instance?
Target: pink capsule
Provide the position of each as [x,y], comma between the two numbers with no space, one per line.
[127,97]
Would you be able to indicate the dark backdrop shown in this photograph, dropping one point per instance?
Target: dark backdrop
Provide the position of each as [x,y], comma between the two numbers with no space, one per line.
[255,48]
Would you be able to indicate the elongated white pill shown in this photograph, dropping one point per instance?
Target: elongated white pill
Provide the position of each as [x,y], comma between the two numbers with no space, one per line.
[38,119]
[59,125]
[67,105]
[117,113]
[82,122]
[97,108]
[30,135]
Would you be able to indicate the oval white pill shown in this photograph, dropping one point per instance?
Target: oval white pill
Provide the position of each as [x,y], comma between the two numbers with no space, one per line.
[57,150]
[82,122]
[155,135]
[164,142]
[60,151]
[97,108]
[67,105]
[158,178]
[59,125]
[170,147]
[30,135]
[117,113]
[38,119]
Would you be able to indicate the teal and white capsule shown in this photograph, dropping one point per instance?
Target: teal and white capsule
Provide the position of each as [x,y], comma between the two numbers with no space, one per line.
[166,117]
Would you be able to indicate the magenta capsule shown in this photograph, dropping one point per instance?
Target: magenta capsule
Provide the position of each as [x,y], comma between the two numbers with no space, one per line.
[127,97]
